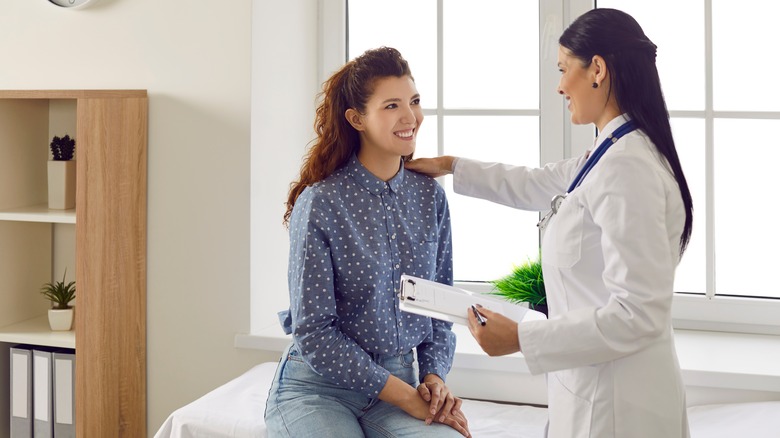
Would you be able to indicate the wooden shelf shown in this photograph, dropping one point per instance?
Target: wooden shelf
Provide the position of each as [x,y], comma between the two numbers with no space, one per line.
[39,213]
[36,331]
[71,94]
[109,250]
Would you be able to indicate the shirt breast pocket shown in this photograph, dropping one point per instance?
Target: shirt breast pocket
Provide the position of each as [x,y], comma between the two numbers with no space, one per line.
[423,261]
[563,238]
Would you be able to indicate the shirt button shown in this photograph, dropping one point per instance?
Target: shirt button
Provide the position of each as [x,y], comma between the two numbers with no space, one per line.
[393,236]
[389,207]
[397,266]
[400,324]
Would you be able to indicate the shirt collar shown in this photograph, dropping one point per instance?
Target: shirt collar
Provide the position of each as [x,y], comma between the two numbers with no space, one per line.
[369,181]
[609,128]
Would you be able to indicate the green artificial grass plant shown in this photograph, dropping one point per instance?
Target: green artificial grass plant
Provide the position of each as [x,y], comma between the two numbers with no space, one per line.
[524,284]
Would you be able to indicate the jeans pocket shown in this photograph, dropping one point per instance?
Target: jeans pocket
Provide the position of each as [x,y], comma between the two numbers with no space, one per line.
[407,360]
[294,355]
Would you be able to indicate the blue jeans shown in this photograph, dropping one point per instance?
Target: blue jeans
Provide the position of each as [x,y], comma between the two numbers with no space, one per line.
[303,404]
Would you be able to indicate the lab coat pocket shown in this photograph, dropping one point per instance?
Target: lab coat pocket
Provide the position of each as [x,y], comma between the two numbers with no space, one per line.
[571,401]
[563,238]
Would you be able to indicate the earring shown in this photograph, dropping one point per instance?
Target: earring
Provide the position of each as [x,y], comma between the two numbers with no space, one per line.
[595,85]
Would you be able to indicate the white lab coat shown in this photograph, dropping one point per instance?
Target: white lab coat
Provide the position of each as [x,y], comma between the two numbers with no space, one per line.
[608,258]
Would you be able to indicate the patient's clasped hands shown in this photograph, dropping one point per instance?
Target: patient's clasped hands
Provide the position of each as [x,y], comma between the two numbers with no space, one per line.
[443,406]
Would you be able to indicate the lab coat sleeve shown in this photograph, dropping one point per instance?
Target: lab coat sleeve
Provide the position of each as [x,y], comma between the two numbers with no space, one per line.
[627,200]
[520,187]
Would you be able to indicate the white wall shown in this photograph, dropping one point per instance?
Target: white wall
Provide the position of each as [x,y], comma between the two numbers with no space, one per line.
[284,75]
[193,57]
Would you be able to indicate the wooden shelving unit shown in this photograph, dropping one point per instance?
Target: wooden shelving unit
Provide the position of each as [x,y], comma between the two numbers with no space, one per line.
[36,331]
[110,245]
[39,213]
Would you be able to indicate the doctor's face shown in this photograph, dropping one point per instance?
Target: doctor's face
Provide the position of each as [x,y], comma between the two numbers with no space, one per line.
[576,85]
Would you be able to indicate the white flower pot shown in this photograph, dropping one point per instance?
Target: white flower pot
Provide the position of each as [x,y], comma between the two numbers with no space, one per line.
[62,184]
[61,319]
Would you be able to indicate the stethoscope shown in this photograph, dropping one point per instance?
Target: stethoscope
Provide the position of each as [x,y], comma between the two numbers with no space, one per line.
[611,139]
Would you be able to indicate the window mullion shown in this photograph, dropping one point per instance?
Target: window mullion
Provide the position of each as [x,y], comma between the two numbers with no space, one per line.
[440,76]
[579,137]
[332,37]
[553,129]
[709,152]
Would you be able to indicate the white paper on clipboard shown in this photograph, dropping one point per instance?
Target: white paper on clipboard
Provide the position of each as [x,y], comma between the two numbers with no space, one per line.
[449,303]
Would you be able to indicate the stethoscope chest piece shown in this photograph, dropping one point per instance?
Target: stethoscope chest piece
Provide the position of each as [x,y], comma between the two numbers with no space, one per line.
[555,205]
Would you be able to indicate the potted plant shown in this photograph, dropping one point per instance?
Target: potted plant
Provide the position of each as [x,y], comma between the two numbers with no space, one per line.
[60,295]
[524,284]
[62,173]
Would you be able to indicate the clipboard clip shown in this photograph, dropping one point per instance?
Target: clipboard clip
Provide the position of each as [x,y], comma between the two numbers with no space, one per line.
[404,293]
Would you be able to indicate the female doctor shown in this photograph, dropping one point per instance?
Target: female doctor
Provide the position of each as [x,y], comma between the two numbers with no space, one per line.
[619,222]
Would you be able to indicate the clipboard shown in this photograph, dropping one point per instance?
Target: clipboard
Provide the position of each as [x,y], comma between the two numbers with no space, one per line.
[451,304]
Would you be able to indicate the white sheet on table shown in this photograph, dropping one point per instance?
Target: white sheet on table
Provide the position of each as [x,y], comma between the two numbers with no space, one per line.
[495,420]
[235,410]
[735,420]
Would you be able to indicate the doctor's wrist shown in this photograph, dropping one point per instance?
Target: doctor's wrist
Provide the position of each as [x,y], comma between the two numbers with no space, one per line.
[447,163]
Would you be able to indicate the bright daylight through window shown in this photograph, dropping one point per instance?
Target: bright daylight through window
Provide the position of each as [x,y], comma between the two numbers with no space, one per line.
[479,69]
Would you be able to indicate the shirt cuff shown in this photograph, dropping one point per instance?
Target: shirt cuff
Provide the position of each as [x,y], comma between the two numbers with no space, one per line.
[440,371]
[377,382]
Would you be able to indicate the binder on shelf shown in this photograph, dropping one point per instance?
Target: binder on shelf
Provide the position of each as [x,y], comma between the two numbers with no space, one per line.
[449,303]
[64,394]
[21,393]
[42,392]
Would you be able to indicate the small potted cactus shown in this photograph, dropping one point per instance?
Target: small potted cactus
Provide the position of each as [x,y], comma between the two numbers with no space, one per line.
[62,173]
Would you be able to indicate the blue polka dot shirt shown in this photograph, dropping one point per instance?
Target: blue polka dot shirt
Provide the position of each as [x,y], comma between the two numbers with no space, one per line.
[352,235]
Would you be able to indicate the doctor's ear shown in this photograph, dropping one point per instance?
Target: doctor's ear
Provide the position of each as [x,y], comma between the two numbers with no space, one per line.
[355,119]
[598,66]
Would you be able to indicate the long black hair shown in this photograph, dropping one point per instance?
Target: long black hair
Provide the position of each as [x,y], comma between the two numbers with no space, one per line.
[630,58]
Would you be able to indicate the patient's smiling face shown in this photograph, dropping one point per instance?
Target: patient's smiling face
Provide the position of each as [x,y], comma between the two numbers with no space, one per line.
[388,127]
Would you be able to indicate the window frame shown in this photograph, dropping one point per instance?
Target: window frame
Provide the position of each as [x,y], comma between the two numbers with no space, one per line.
[557,135]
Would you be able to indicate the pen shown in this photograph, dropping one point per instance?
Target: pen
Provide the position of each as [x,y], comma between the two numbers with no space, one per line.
[481,319]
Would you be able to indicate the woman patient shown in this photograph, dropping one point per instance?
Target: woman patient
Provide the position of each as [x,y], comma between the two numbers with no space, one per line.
[357,221]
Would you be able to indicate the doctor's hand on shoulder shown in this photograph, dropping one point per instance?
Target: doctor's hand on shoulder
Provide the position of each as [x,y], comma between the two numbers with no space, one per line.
[498,337]
[433,167]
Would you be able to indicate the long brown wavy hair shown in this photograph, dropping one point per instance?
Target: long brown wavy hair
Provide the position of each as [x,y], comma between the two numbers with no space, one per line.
[350,87]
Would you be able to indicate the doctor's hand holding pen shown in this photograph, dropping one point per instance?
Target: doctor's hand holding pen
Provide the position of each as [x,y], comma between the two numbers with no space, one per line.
[497,335]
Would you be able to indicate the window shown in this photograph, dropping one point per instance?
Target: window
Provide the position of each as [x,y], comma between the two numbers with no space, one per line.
[724,118]
[476,65]
[723,114]
[477,70]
